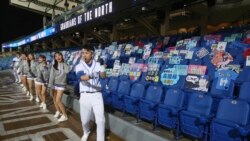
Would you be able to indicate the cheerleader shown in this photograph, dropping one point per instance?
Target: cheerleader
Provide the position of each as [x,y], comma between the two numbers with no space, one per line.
[31,76]
[42,80]
[57,81]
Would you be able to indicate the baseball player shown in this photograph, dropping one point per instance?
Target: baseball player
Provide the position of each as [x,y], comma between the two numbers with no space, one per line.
[16,60]
[88,73]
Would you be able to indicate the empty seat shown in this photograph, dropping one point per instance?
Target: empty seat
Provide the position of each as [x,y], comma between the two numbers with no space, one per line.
[193,121]
[131,101]
[148,105]
[111,87]
[231,122]
[118,96]
[168,111]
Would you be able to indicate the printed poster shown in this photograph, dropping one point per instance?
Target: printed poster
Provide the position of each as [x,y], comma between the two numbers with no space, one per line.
[131,60]
[221,46]
[169,77]
[179,43]
[202,53]
[116,68]
[153,60]
[158,54]
[175,60]
[128,49]
[135,71]
[189,54]
[116,54]
[147,52]
[214,46]
[108,72]
[248,61]
[125,69]
[235,68]
[197,83]
[153,72]
[191,44]
[181,69]
[197,69]
[221,59]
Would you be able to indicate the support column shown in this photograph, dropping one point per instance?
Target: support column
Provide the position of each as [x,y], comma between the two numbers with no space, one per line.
[11,49]
[67,42]
[166,24]
[203,24]
[44,45]
[114,34]
[44,22]
[84,39]
[53,17]
[19,49]
[3,50]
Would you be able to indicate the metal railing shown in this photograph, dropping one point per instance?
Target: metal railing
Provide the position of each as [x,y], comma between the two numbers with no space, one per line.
[80,8]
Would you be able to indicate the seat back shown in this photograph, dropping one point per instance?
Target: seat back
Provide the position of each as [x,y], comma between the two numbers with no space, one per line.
[140,61]
[124,87]
[244,92]
[104,82]
[123,77]
[174,98]
[244,75]
[137,90]
[113,84]
[200,104]
[235,111]
[154,94]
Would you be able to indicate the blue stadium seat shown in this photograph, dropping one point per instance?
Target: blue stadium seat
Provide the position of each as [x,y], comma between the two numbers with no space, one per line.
[194,120]
[123,77]
[231,122]
[143,79]
[148,105]
[218,94]
[178,85]
[140,61]
[168,111]
[104,84]
[131,101]
[244,75]
[118,96]
[245,92]
[111,88]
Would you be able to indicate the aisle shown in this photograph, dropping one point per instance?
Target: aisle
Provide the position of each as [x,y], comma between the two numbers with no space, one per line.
[21,119]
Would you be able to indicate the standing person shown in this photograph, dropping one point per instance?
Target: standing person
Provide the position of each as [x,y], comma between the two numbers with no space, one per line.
[42,79]
[57,81]
[24,69]
[16,61]
[32,75]
[88,72]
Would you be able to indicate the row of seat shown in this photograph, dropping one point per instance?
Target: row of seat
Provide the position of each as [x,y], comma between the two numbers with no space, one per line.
[188,113]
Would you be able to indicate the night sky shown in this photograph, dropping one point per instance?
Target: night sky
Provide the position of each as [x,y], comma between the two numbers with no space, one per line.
[17,22]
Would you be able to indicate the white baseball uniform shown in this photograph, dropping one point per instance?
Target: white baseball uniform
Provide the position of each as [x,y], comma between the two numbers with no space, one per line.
[91,98]
[16,67]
